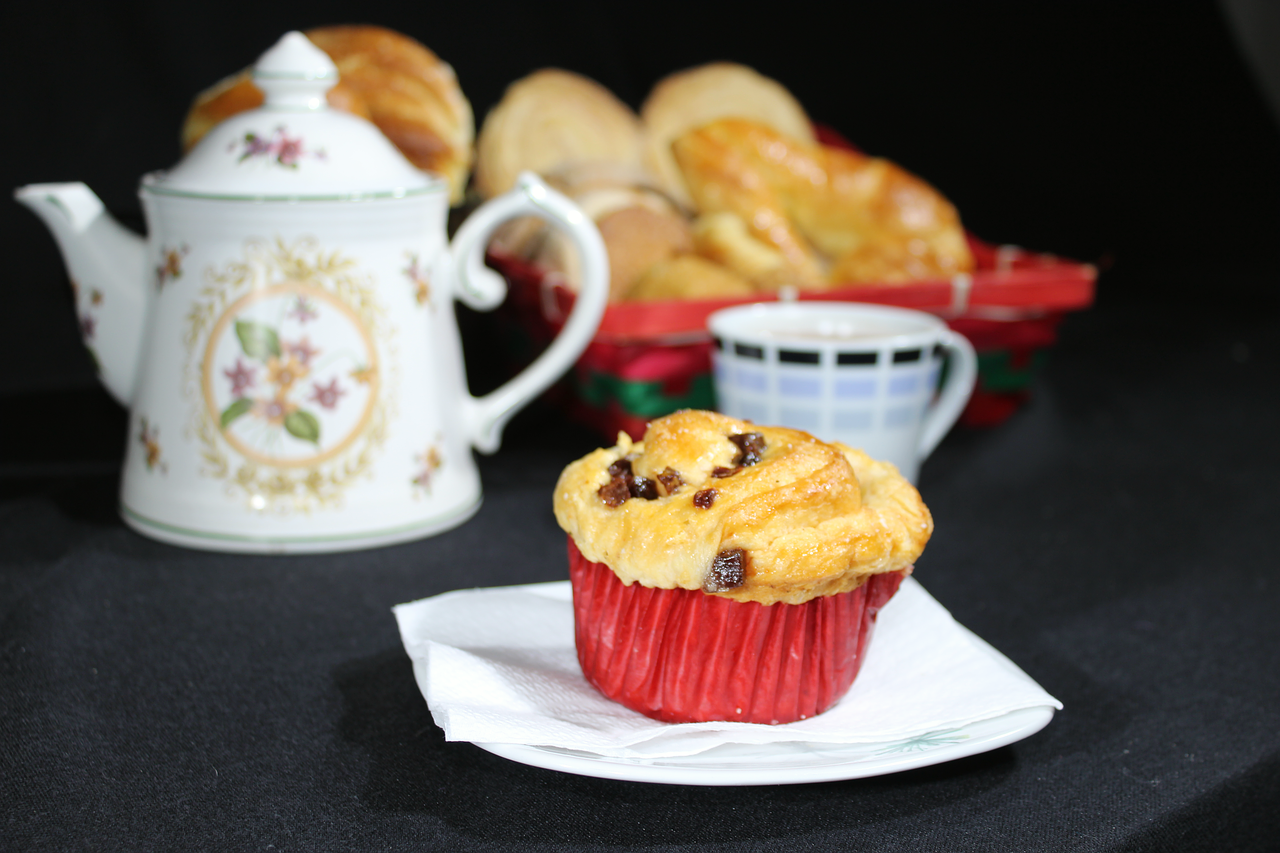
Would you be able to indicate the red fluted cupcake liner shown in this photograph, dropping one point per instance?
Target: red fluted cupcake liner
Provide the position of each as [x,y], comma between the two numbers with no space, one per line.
[682,656]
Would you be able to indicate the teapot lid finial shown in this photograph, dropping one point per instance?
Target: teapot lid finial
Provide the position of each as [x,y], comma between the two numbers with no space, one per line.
[294,147]
[295,74]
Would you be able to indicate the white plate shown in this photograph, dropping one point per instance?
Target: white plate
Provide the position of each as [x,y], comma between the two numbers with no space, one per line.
[789,763]
[794,762]
[472,623]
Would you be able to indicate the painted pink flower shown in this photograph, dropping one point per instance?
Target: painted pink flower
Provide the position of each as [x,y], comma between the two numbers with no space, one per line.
[303,311]
[284,149]
[302,350]
[326,395]
[288,151]
[242,377]
[87,327]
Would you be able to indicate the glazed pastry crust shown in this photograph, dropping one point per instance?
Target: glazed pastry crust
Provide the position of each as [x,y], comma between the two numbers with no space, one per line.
[696,96]
[814,518]
[830,214]
[726,239]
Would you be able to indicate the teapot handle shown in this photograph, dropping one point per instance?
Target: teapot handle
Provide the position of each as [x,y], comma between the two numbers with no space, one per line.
[483,289]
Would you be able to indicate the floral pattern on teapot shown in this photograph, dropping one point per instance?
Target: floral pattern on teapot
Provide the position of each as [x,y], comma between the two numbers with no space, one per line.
[286,420]
[87,319]
[170,266]
[279,148]
[149,438]
[418,280]
[428,462]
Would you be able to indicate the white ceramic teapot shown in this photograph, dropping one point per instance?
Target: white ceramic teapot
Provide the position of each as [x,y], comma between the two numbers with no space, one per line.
[285,336]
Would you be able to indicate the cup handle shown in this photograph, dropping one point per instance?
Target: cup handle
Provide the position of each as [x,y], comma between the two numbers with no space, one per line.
[955,394]
[483,289]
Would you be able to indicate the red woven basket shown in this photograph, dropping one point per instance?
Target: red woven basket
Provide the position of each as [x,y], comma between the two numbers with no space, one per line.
[651,358]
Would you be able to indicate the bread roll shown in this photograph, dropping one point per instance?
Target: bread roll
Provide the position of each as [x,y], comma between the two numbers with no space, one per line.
[550,119]
[637,238]
[724,238]
[388,78]
[696,96]
[817,205]
[599,189]
[688,277]
[638,223]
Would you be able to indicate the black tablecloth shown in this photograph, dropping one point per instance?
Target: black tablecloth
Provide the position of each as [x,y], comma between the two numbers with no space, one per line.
[1113,537]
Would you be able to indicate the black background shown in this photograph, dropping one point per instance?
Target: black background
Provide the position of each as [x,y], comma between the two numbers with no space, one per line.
[1129,134]
[1113,537]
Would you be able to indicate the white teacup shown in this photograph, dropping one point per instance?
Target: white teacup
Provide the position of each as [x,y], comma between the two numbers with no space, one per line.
[865,375]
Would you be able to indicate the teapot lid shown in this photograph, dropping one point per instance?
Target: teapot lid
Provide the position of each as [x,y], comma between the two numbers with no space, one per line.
[294,147]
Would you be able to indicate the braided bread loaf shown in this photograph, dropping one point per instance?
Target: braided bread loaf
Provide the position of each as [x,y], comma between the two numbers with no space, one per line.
[831,215]
[696,96]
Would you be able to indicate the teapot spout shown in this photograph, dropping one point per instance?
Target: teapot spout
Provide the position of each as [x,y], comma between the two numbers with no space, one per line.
[106,263]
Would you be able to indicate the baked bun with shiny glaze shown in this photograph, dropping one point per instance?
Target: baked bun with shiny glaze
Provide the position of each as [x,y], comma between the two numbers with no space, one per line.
[693,97]
[832,214]
[388,78]
[726,239]
[802,518]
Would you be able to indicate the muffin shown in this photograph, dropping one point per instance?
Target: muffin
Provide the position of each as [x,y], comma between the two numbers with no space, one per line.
[727,571]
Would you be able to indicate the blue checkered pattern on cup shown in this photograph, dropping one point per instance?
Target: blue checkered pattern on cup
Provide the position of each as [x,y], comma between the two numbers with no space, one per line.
[861,374]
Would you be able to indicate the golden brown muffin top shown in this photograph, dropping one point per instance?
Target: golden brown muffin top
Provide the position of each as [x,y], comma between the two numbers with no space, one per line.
[747,512]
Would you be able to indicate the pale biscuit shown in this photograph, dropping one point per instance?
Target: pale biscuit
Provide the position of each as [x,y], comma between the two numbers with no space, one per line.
[550,119]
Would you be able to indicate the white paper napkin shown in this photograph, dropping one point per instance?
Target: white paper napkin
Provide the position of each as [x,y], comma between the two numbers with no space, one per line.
[498,665]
